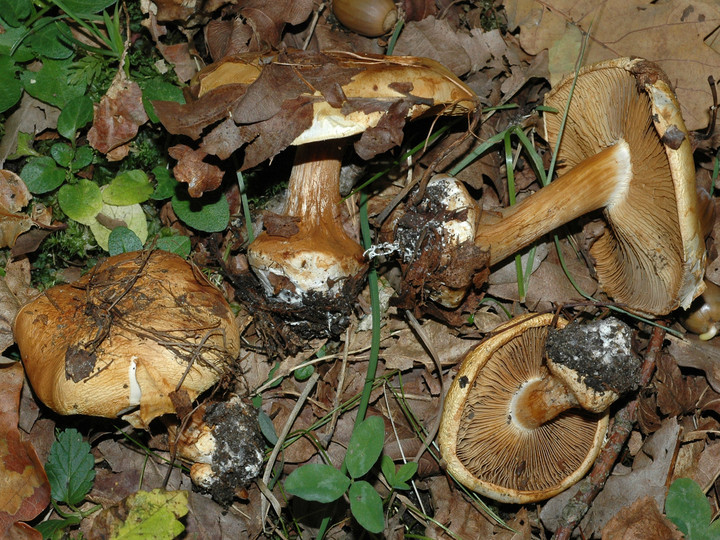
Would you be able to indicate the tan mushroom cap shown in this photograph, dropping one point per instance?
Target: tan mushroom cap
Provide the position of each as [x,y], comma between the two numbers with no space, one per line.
[320,255]
[652,254]
[123,336]
[480,444]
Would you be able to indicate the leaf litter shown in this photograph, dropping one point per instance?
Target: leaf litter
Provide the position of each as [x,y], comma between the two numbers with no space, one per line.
[678,426]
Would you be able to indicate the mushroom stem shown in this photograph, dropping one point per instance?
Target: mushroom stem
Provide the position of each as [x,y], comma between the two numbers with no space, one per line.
[594,183]
[319,255]
[539,401]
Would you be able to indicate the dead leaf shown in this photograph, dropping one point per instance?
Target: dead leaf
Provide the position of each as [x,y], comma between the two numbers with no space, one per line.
[178,55]
[459,51]
[695,353]
[199,175]
[625,485]
[269,18]
[459,516]
[24,487]
[14,196]
[118,115]
[642,520]
[677,35]
[32,116]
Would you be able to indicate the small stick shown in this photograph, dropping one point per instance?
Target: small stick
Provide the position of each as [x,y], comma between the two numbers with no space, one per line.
[579,504]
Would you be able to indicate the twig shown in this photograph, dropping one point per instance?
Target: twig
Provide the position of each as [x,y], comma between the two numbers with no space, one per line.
[579,504]
[283,435]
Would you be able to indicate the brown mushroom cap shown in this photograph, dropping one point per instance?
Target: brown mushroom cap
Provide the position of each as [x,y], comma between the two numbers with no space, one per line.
[124,336]
[651,256]
[319,255]
[481,445]
[624,150]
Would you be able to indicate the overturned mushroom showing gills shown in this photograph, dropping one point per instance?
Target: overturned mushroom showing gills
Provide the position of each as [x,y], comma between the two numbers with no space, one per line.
[625,151]
[120,340]
[518,429]
[306,259]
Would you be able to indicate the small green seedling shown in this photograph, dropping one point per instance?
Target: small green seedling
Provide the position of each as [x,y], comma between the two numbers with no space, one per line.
[688,508]
[324,483]
[70,471]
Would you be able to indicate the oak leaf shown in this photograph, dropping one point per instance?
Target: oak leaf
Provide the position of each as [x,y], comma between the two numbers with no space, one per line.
[681,36]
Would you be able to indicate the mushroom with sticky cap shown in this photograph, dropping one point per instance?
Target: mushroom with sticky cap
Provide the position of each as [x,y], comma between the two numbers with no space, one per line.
[526,415]
[308,257]
[624,150]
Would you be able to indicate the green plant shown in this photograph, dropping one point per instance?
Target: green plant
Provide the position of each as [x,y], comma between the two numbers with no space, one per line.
[70,471]
[324,483]
[688,508]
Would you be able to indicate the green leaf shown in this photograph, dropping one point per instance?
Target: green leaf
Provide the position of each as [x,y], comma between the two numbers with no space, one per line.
[49,41]
[123,240]
[75,115]
[10,85]
[366,506]
[688,508]
[14,11]
[62,153]
[50,83]
[129,187]
[81,201]
[85,7]
[365,446]
[304,373]
[387,466]
[209,213]
[10,38]
[110,217]
[165,183]
[51,527]
[83,157]
[152,514]
[178,244]
[158,90]
[317,482]
[267,427]
[41,175]
[406,472]
[24,146]
[69,468]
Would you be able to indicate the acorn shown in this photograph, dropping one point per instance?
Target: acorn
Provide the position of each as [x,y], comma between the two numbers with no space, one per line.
[371,18]
[703,316]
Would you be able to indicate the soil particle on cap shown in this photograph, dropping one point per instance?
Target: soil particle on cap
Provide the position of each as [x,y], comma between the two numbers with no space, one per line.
[600,352]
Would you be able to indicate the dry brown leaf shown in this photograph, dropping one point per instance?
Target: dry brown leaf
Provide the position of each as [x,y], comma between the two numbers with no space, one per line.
[646,478]
[24,487]
[178,55]
[460,52]
[199,175]
[677,35]
[118,115]
[31,116]
[269,18]
[459,516]
[642,520]
[695,353]
[404,352]
[14,196]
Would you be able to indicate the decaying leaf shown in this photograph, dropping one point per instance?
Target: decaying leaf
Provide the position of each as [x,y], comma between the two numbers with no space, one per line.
[145,514]
[199,175]
[24,487]
[646,478]
[117,117]
[642,520]
[32,116]
[14,196]
[680,36]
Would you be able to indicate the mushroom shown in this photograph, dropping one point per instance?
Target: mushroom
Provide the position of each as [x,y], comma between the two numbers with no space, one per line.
[625,150]
[519,429]
[703,315]
[119,341]
[224,443]
[305,258]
